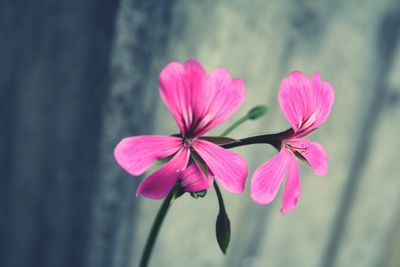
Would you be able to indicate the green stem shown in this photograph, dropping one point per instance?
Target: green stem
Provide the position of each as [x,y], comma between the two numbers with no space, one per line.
[157,225]
[219,196]
[273,139]
[234,125]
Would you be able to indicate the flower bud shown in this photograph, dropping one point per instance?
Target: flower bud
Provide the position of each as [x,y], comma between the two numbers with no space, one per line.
[257,112]
[223,230]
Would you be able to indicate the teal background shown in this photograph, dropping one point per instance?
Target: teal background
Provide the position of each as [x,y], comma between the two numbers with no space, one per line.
[77,76]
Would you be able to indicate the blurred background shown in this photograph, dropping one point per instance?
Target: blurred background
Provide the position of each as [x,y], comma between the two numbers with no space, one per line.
[77,76]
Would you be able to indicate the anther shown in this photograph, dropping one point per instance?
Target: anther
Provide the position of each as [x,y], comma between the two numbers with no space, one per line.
[303,148]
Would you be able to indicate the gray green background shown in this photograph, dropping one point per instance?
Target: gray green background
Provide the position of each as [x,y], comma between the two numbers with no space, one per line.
[77,76]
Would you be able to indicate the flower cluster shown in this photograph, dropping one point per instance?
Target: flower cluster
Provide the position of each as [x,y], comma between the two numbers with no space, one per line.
[199,102]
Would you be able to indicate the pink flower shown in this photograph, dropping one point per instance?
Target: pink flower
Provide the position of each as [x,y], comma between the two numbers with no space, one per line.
[306,105]
[198,102]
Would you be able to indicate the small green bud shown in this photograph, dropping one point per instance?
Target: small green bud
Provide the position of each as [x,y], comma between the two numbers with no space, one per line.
[257,112]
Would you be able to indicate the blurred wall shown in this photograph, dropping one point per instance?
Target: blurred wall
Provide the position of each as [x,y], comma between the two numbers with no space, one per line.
[77,76]
[55,60]
[73,79]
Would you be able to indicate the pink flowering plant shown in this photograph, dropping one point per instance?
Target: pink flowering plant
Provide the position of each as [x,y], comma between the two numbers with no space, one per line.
[192,162]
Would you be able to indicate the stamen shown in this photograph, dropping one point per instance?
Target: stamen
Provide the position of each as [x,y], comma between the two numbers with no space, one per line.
[303,148]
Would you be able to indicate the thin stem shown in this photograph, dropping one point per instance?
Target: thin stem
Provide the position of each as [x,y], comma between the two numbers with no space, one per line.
[234,125]
[273,139]
[219,196]
[157,225]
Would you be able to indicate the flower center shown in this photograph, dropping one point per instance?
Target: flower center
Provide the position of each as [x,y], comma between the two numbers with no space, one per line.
[187,142]
[302,148]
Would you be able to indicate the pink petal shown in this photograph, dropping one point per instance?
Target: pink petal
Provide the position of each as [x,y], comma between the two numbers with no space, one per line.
[305,103]
[295,98]
[291,193]
[268,178]
[179,88]
[222,97]
[324,97]
[229,168]
[199,102]
[193,180]
[136,154]
[160,183]
[314,153]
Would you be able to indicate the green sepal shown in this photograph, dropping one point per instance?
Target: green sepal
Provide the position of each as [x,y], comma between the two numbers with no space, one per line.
[179,192]
[198,194]
[201,165]
[223,230]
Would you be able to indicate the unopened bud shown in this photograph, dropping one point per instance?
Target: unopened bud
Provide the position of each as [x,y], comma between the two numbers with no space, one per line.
[257,112]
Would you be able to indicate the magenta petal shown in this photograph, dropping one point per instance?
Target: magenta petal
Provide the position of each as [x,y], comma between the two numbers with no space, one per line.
[305,103]
[267,178]
[291,193]
[324,97]
[314,153]
[229,168]
[199,102]
[295,97]
[136,154]
[193,180]
[160,183]
[222,97]
[179,88]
